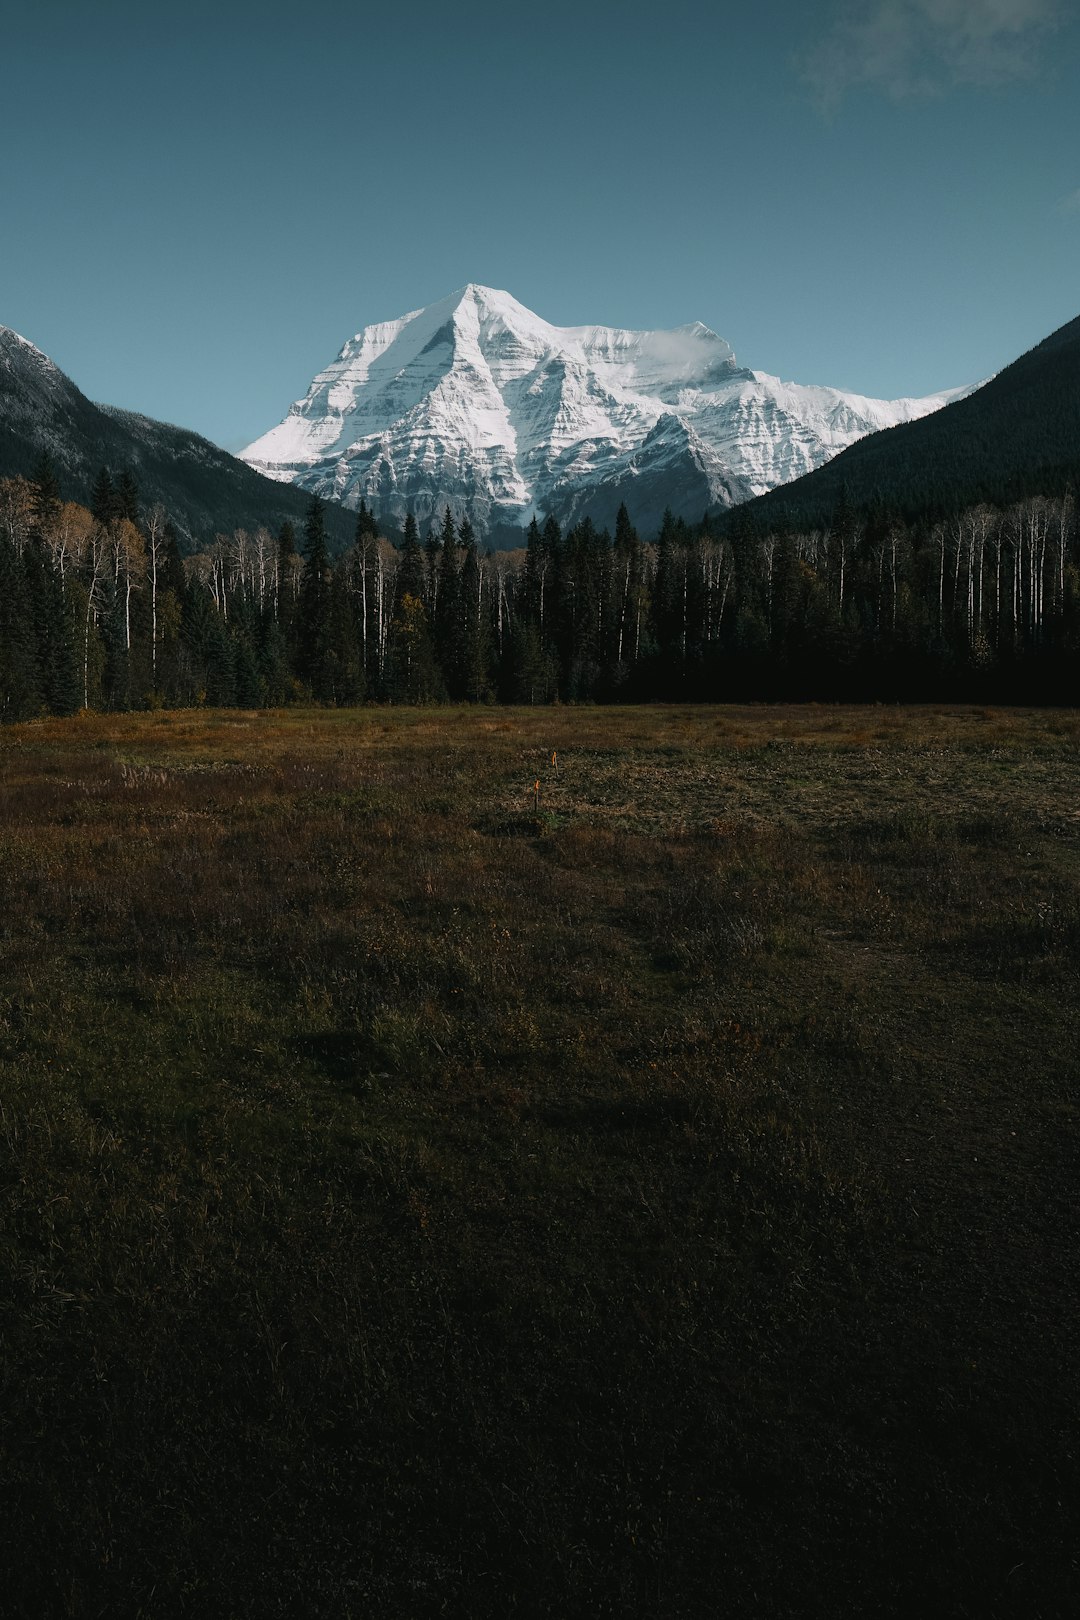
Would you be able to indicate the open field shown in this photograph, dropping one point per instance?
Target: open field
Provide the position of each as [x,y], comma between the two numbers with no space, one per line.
[652,1195]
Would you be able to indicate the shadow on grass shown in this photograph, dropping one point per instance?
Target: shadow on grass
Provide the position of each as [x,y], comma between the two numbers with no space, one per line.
[614,1113]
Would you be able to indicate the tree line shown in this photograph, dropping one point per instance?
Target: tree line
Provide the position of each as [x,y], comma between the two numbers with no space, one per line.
[100,610]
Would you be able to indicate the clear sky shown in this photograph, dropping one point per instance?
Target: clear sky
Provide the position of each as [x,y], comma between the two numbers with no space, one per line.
[199,203]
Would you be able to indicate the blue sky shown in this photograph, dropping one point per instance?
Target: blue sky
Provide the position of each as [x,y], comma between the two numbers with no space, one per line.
[201,203]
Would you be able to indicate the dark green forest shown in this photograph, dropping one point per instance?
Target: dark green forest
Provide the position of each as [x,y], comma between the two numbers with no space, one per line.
[100,610]
[1016,437]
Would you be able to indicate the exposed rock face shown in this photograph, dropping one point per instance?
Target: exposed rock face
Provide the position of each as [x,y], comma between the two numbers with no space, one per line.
[478,404]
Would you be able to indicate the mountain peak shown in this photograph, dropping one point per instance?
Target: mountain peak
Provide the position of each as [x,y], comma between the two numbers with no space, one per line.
[478,403]
[15,343]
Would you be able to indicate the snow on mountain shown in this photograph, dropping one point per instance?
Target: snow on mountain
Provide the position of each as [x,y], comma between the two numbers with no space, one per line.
[477,403]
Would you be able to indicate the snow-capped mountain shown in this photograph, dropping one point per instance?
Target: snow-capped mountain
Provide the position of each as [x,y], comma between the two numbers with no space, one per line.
[477,403]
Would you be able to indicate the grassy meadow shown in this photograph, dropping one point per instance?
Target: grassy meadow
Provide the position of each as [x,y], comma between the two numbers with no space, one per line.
[552,1162]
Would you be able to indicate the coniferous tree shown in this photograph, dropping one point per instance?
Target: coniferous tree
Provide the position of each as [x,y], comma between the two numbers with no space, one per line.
[412,571]
[104,505]
[662,618]
[45,495]
[173,577]
[431,567]
[448,609]
[20,684]
[47,604]
[127,497]
[314,664]
[532,581]
[347,664]
[474,672]
[627,604]
[365,522]
[53,631]
[412,669]
[247,678]
[548,578]
[286,561]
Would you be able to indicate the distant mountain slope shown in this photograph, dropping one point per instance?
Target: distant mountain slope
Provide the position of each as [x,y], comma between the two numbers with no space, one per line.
[478,403]
[1018,435]
[204,490]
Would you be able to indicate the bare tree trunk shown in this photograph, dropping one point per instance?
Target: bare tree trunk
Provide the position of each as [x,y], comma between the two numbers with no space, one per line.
[363,605]
[97,550]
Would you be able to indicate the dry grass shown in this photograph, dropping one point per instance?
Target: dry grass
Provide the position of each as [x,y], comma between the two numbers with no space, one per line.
[655,1198]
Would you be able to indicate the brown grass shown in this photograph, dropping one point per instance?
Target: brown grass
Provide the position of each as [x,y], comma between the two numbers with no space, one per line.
[658,1199]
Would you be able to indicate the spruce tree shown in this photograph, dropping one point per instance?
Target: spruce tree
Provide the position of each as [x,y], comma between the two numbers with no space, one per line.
[412,674]
[248,688]
[20,685]
[365,523]
[412,569]
[313,661]
[104,506]
[431,566]
[448,608]
[45,495]
[474,669]
[663,615]
[127,497]
[53,631]
[531,583]
[627,569]
[347,663]
[172,576]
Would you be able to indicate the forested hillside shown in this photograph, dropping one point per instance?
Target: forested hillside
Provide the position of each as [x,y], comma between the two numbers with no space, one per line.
[1016,437]
[99,609]
[43,413]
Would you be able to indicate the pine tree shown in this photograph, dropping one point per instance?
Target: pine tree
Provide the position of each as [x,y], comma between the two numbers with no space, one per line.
[173,577]
[275,675]
[532,582]
[104,505]
[412,569]
[127,497]
[628,570]
[431,567]
[473,675]
[53,630]
[363,578]
[448,609]
[249,691]
[20,687]
[412,674]
[365,523]
[347,663]
[313,656]
[45,496]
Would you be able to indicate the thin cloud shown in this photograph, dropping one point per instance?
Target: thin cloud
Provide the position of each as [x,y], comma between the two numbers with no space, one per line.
[921,47]
[1070,204]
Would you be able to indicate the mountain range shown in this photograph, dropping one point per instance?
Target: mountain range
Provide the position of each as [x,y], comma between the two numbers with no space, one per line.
[477,403]
[204,490]
[1017,436]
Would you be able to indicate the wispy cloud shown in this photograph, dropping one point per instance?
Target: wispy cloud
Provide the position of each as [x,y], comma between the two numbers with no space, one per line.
[921,47]
[1070,204]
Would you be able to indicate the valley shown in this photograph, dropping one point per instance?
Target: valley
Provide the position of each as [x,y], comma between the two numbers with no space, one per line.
[549,1161]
